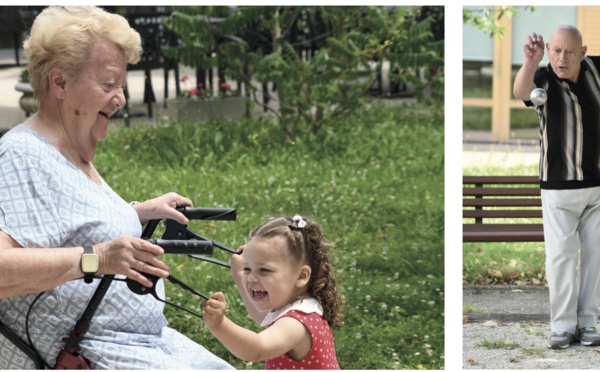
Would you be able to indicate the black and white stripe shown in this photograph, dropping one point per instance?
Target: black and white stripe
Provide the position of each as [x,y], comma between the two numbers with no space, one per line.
[570,128]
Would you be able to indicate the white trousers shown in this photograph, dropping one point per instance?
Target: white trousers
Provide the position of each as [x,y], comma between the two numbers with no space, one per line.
[572,236]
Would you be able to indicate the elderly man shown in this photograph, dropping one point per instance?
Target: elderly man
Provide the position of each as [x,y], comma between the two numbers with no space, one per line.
[569,178]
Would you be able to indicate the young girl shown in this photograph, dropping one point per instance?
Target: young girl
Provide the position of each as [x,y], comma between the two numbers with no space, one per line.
[287,284]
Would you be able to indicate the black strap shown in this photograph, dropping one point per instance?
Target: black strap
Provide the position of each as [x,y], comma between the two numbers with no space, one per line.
[25,348]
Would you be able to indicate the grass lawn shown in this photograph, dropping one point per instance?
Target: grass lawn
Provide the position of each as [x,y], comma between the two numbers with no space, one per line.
[504,263]
[375,183]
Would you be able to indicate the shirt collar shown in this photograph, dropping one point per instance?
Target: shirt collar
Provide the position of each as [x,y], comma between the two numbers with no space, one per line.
[306,305]
[582,69]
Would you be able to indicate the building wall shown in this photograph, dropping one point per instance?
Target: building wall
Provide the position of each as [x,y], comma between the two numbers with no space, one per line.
[589,24]
[542,21]
[478,46]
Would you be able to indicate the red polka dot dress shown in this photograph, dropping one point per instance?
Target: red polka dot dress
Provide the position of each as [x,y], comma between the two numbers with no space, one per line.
[322,354]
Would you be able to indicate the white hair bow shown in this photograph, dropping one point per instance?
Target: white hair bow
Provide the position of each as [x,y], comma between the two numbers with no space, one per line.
[300,220]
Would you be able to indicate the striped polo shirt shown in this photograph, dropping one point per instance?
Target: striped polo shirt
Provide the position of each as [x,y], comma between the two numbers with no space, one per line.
[570,128]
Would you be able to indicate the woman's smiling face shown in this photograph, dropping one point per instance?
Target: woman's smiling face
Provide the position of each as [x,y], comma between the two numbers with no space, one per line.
[94,96]
[270,275]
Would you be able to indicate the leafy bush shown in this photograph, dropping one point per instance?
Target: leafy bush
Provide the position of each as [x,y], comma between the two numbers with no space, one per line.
[375,183]
[272,44]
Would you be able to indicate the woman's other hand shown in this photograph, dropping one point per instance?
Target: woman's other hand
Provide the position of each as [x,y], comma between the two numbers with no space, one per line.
[163,207]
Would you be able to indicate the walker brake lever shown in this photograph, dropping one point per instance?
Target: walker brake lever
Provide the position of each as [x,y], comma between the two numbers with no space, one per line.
[140,289]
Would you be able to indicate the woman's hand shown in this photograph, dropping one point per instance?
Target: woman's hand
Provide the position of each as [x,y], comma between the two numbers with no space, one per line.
[163,207]
[214,310]
[130,257]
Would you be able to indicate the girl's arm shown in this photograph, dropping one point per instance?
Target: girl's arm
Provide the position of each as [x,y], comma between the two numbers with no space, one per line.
[237,271]
[286,336]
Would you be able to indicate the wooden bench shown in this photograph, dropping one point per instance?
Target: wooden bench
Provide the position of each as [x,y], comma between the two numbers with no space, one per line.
[501,198]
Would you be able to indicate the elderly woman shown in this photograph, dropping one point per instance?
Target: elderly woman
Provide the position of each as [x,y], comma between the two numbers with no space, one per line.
[54,206]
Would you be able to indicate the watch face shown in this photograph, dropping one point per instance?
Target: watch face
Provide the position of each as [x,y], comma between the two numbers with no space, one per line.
[89,263]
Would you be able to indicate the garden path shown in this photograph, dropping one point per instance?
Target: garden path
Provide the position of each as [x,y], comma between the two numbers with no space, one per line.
[479,149]
[11,114]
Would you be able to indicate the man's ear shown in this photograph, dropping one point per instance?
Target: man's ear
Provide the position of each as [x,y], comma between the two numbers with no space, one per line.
[303,276]
[56,82]
[583,51]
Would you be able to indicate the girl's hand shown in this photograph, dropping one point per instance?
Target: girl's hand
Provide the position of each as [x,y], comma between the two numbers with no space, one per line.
[237,263]
[214,310]
[163,207]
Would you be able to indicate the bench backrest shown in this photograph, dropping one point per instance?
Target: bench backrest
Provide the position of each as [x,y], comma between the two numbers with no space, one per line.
[502,208]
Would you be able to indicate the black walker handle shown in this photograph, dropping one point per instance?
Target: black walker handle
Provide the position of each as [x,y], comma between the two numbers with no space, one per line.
[213,214]
[200,247]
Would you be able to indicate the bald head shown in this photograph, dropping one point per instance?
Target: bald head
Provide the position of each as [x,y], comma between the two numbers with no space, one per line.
[566,51]
[569,31]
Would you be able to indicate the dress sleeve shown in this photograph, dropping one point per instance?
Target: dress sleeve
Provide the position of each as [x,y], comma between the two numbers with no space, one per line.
[27,210]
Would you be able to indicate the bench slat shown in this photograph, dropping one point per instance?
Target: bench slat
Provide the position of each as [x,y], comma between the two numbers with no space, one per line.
[496,202]
[504,227]
[501,191]
[499,180]
[503,213]
[509,236]
[503,233]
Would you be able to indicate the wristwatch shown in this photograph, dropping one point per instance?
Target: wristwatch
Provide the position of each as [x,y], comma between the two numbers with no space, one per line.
[89,263]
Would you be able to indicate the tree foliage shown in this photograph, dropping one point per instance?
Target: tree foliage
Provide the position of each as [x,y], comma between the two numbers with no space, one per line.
[322,60]
[486,20]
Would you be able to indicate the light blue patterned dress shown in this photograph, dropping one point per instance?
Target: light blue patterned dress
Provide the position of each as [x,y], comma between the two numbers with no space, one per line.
[45,201]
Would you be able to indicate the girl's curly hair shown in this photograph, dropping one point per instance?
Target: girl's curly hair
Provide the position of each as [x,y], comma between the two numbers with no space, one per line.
[306,245]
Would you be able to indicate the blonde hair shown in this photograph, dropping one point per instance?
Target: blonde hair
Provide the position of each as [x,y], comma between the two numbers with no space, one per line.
[63,37]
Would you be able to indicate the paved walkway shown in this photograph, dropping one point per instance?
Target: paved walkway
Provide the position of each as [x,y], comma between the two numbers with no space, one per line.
[506,327]
[480,151]
[506,303]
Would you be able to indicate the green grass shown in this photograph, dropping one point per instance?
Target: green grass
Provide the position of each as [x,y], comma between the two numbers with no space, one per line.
[375,183]
[504,263]
[480,118]
[536,353]
[469,309]
[499,344]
